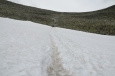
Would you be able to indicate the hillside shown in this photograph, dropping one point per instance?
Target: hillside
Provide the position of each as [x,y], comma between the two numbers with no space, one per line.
[101,21]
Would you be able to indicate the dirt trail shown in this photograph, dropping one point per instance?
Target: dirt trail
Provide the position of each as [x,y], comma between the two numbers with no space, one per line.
[56,66]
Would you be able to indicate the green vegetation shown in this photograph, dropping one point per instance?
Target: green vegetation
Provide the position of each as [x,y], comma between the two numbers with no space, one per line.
[101,21]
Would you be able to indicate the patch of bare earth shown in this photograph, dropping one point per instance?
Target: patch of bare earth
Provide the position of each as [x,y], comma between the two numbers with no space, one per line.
[56,68]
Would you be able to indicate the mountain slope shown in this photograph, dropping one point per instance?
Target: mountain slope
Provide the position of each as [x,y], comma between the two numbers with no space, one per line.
[101,21]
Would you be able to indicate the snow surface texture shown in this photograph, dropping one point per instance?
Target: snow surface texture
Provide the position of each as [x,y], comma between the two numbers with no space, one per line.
[67,5]
[30,49]
[24,48]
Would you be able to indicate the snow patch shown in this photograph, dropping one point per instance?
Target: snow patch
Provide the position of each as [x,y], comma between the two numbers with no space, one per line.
[31,49]
[24,48]
[86,54]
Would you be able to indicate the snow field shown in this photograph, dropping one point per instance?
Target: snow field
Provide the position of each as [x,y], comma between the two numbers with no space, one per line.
[85,54]
[31,49]
[24,48]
